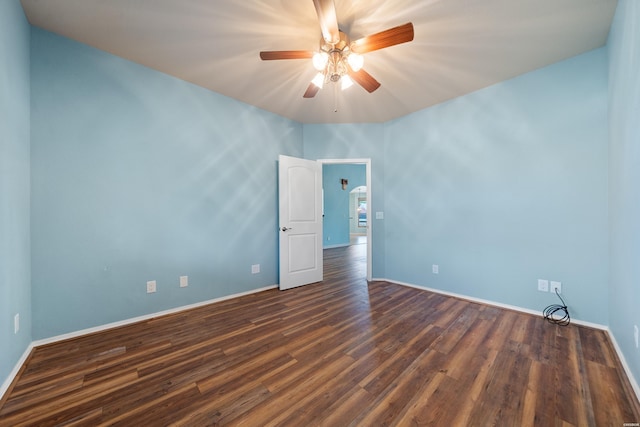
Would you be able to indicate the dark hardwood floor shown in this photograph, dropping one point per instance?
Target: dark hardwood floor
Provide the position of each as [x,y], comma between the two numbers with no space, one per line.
[337,353]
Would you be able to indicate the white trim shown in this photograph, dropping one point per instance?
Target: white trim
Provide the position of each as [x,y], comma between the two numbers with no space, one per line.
[367,163]
[7,382]
[493,303]
[627,369]
[14,372]
[618,350]
[341,245]
[144,317]
[34,344]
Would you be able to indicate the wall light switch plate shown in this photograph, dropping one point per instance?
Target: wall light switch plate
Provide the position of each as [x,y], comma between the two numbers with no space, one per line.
[184,281]
[255,269]
[435,269]
[151,286]
[16,325]
[543,285]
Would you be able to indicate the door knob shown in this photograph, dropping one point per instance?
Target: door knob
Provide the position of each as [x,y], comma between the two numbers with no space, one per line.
[286,229]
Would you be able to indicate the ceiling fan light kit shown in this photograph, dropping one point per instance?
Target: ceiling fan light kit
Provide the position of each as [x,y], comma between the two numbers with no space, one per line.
[356,61]
[346,82]
[320,60]
[338,59]
[318,80]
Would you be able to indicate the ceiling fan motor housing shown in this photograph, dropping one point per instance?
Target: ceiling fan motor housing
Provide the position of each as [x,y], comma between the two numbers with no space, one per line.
[337,53]
[339,46]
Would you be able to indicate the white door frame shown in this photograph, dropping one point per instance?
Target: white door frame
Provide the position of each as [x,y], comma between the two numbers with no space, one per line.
[367,163]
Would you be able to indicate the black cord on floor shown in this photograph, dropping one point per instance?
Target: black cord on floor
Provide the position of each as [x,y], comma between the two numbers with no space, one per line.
[557,314]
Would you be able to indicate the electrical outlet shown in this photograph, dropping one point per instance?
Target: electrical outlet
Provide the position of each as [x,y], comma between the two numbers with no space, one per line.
[16,325]
[435,269]
[151,286]
[184,281]
[635,334]
[543,285]
[555,285]
[255,269]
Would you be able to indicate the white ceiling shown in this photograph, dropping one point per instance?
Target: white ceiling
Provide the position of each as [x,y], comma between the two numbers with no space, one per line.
[460,46]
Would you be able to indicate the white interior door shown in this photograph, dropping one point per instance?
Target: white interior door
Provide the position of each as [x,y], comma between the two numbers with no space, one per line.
[300,217]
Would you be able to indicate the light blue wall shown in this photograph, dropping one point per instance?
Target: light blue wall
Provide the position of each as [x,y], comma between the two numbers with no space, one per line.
[136,175]
[139,176]
[624,178]
[355,141]
[513,185]
[335,223]
[499,188]
[15,241]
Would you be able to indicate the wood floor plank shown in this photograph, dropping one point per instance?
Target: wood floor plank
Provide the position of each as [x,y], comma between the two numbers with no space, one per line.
[223,411]
[343,411]
[505,388]
[608,402]
[155,409]
[396,399]
[573,410]
[387,372]
[531,394]
[439,406]
[337,353]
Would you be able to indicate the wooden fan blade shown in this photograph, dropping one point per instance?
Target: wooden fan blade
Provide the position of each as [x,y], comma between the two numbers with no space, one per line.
[311,91]
[285,54]
[328,19]
[390,37]
[364,79]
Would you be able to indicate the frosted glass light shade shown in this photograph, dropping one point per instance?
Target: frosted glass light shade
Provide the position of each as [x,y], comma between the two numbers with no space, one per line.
[346,82]
[320,60]
[318,80]
[355,61]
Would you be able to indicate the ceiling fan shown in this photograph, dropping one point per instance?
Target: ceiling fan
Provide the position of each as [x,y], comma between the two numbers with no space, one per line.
[339,59]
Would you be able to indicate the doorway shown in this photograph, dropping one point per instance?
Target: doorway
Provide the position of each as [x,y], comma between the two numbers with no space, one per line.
[358,207]
[341,186]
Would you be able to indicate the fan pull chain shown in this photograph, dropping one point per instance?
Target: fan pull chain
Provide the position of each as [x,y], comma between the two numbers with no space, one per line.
[335,97]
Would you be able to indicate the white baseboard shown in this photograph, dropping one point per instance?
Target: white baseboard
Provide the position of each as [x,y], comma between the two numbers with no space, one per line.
[7,382]
[341,245]
[623,361]
[144,317]
[489,302]
[23,358]
[627,369]
[14,372]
